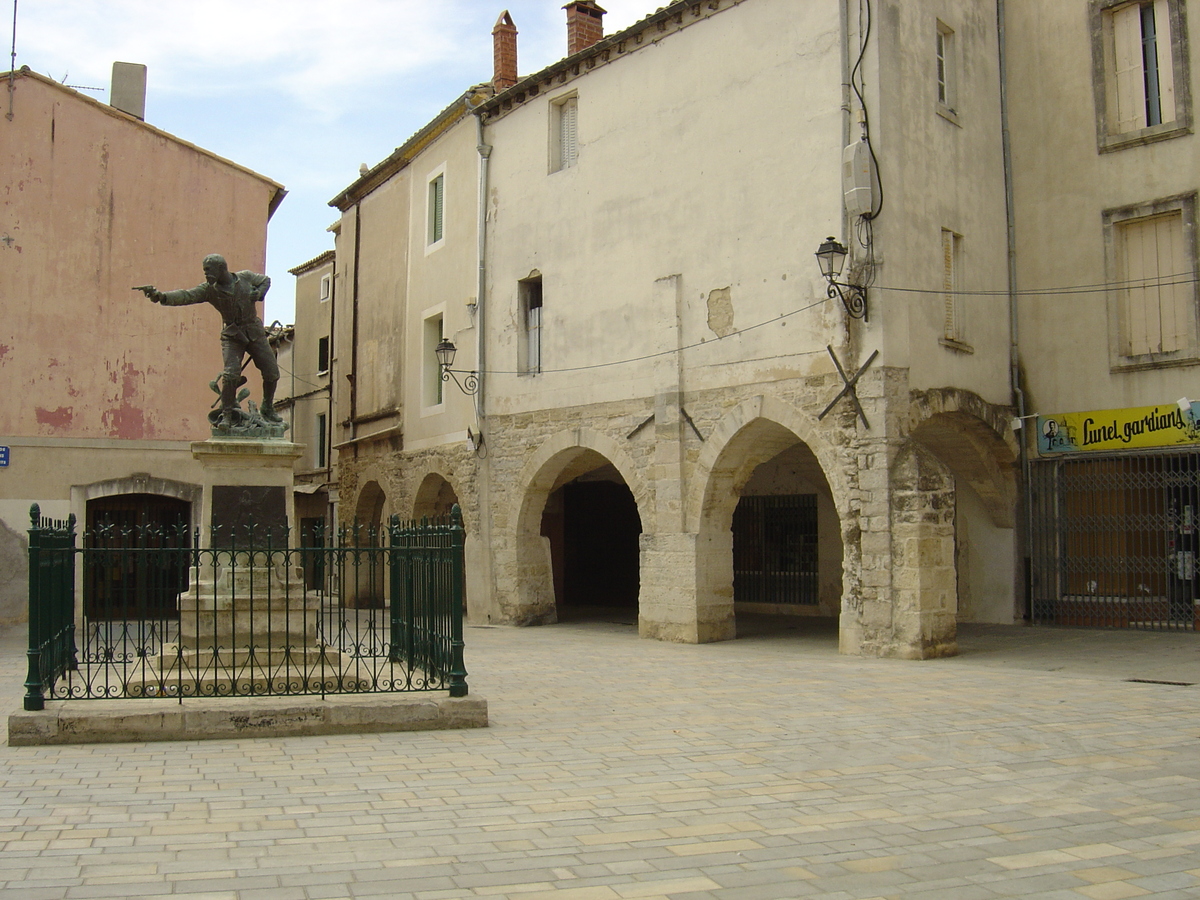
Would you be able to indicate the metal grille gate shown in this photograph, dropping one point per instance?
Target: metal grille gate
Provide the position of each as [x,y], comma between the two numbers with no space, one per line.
[1114,541]
[775,550]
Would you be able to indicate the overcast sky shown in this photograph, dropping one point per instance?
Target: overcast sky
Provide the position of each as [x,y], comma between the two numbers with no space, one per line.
[302,91]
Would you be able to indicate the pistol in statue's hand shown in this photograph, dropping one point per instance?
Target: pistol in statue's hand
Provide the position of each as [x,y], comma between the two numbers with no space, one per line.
[150,291]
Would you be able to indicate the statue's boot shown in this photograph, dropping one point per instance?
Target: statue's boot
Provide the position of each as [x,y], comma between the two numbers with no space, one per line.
[229,407]
[267,410]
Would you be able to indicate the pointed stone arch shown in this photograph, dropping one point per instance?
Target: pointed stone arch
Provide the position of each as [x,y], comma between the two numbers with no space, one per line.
[955,490]
[435,494]
[524,571]
[749,435]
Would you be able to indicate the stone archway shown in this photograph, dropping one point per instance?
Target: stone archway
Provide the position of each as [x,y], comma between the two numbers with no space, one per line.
[435,497]
[363,578]
[961,476]
[531,575]
[760,431]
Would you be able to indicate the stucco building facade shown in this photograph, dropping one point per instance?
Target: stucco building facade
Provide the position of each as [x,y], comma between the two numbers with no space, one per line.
[678,416]
[105,390]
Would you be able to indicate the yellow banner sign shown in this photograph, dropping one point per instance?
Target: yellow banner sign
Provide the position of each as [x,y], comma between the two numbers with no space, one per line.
[1138,428]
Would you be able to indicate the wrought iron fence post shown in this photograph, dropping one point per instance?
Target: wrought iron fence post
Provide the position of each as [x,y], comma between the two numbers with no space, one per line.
[35,699]
[458,669]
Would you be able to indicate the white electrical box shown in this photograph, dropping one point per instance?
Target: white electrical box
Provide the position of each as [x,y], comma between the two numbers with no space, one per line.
[858,179]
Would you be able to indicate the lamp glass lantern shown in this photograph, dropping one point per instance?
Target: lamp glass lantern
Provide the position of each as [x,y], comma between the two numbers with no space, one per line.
[445,351]
[831,256]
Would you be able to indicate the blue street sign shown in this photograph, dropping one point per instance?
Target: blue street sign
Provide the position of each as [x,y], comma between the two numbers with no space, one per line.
[3,457]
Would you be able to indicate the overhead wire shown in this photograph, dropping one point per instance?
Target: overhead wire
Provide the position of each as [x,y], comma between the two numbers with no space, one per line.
[1104,287]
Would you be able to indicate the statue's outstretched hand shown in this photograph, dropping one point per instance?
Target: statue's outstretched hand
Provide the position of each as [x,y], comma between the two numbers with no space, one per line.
[154,295]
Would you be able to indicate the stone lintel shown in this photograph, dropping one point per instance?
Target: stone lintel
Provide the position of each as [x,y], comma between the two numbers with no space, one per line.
[236,452]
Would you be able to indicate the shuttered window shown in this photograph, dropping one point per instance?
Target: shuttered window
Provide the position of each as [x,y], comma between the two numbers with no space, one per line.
[1154,270]
[437,189]
[530,351]
[564,123]
[1141,66]
[951,281]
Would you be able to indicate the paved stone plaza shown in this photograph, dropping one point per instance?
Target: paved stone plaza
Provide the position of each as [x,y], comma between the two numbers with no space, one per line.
[614,767]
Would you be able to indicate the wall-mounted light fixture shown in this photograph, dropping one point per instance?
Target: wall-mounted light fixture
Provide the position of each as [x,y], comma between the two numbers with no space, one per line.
[831,256]
[445,351]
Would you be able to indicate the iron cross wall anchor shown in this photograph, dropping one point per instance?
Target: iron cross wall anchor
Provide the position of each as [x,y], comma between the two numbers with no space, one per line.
[849,387]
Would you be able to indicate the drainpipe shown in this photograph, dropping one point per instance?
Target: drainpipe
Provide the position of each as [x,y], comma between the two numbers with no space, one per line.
[847,109]
[354,325]
[1014,358]
[485,153]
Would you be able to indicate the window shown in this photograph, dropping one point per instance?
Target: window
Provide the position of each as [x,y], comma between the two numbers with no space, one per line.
[322,355]
[432,386]
[1140,71]
[1154,301]
[437,201]
[953,313]
[564,140]
[319,440]
[529,299]
[945,47]
[326,287]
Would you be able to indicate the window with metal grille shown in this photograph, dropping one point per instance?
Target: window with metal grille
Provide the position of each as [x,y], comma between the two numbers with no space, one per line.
[1114,541]
[775,550]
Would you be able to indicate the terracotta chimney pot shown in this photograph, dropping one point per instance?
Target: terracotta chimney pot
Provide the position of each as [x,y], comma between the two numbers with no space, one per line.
[504,53]
[585,25]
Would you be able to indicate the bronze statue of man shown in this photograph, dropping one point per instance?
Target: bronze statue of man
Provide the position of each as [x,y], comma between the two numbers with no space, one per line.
[234,295]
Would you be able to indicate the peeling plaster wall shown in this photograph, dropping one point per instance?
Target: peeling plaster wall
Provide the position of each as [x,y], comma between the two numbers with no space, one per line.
[92,203]
[687,168]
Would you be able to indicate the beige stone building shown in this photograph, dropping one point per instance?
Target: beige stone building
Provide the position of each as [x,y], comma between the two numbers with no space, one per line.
[1106,169]
[407,251]
[307,385]
[104,389]
[679,417]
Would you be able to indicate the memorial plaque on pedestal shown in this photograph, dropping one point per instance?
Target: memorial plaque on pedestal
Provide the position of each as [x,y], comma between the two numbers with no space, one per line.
[244,516]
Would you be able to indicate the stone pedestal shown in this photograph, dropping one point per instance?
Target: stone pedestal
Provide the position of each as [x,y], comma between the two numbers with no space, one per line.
[247,624]
[231,463]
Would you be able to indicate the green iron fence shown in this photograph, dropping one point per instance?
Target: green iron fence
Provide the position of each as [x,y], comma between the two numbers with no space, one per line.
[148,612]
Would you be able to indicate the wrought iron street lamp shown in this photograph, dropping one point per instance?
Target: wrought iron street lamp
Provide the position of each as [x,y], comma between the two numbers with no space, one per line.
[445,351]
[831,256]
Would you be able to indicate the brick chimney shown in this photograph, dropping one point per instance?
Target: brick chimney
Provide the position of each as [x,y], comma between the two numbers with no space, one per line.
[504,53]
[585,25]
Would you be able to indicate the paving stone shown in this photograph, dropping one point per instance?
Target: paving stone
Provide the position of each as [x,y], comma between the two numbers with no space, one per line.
[621,769]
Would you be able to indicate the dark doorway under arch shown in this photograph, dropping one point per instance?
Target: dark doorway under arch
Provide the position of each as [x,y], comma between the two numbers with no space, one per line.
[592,524]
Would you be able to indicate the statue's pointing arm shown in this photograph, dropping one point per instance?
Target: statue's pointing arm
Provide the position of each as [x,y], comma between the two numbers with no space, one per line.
[185,297]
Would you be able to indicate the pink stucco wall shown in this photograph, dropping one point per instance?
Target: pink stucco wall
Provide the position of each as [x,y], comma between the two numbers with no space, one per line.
[92,203]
